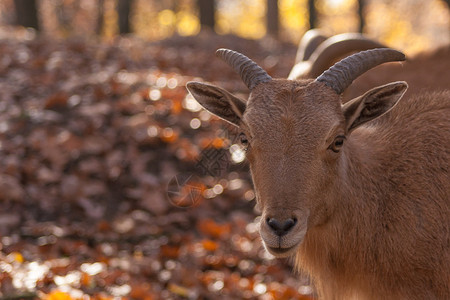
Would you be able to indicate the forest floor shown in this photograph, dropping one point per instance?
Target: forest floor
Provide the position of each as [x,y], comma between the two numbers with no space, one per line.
[97,141]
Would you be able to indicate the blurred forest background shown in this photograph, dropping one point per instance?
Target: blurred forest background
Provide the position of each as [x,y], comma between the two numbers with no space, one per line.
[410,25]
[114,183]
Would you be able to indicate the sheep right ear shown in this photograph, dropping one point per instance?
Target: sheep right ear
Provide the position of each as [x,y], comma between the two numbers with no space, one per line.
[218,101]
[373,104]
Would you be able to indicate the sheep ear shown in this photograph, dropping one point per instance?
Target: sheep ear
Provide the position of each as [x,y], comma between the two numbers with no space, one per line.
[218,101]
[372,104]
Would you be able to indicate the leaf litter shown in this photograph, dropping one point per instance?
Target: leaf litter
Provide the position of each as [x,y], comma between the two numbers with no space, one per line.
[91,135]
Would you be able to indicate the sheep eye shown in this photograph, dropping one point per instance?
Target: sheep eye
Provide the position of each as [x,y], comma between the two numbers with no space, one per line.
[337,143]
[243,139]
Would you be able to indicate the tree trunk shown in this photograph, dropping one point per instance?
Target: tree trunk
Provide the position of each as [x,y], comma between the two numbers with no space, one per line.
[207,9]
[100,17]
[26,13]
[312,14]
[362,21]
[123,10]
[272,17]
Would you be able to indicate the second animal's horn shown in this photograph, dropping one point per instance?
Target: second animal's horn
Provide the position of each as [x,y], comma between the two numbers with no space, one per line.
[250,72]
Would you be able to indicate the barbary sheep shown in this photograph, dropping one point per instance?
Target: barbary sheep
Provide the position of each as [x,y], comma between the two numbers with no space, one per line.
[358,193]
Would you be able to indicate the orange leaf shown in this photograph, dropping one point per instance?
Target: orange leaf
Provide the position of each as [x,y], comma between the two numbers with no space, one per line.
[141,291]
[209,245]
[177,107]
[168,135]
[213,229]
[85,279]
[218,143]
[169,251]
[57,295]
[58,100]
[16,256]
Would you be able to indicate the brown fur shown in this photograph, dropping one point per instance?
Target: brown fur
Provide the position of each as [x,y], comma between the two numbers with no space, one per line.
[374,218]
[388,237]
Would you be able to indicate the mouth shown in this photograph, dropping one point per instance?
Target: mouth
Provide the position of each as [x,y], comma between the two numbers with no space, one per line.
[281,252]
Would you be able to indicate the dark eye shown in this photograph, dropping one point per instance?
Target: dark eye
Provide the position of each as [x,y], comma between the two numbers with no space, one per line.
[337,143]
[243,139]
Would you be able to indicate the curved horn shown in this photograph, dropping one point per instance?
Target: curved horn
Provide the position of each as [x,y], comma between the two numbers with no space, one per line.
[250,72]
[336,47]
[342,74]
[309,43]
[325,53]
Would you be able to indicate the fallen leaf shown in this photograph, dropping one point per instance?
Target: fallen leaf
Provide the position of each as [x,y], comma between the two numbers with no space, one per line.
[211,228]
[57,295]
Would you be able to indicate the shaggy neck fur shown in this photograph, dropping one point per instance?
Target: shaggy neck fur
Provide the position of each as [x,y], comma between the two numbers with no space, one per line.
[388,237]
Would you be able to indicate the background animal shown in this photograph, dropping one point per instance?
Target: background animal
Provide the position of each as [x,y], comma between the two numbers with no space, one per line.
[424,72]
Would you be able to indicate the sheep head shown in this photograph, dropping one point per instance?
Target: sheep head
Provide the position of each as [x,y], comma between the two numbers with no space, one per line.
[295,134]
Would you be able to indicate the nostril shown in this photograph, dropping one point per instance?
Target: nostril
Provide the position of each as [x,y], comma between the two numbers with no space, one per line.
[288,224]
[281,228]
[274,224]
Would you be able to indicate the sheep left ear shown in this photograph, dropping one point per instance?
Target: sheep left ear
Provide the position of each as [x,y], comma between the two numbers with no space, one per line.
[372,104]
[218,101]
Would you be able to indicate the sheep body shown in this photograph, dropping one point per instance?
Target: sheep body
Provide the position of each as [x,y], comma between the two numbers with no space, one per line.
[389,237]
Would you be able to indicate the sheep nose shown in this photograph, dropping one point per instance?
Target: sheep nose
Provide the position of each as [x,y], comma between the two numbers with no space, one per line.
[281,227]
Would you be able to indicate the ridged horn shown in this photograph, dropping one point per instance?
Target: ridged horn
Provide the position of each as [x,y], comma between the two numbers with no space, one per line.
[342,74]
[250,72]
